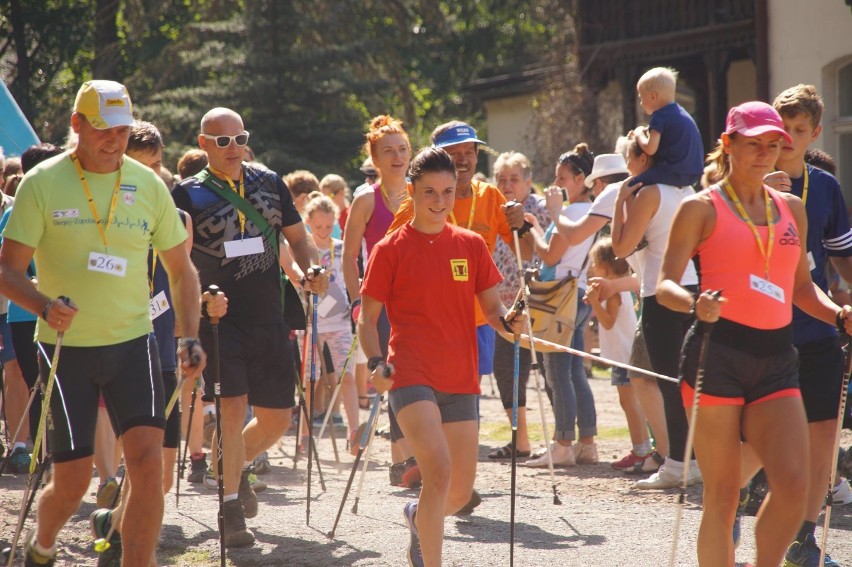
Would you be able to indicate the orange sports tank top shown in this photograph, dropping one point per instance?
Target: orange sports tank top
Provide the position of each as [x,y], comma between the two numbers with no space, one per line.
[731,260]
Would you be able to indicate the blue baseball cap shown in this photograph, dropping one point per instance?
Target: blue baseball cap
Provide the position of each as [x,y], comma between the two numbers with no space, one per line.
[457,135]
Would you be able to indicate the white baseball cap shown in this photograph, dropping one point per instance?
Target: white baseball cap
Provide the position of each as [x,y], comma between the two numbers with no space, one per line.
[105,104]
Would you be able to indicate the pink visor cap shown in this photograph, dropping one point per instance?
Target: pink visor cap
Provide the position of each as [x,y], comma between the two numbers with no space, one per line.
[753,119]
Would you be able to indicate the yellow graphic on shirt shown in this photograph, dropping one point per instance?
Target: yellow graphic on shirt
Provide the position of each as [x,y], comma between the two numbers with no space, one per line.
[459,269]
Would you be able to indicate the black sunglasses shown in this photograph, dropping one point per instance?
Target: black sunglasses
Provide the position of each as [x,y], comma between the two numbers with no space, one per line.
[225,141]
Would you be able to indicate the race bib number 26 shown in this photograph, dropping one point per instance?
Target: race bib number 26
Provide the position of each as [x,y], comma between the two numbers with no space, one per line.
[107,264]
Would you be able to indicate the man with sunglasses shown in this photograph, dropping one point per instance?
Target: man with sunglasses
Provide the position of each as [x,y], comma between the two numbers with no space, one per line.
[231,251]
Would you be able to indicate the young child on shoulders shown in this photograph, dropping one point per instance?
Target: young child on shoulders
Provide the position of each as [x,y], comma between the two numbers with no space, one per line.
[617,325]
[672,135]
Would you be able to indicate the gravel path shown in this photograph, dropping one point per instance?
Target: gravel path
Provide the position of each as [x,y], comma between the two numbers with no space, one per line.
[602,520]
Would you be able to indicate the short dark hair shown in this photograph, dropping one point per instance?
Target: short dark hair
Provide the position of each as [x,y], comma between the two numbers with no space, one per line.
[430,160]
[144,138]
[36,154]
[191,162]
[301,182]
[822,160]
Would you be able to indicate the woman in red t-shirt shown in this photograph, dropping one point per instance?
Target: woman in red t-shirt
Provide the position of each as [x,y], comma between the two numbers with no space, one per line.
[740,229]
[426,274]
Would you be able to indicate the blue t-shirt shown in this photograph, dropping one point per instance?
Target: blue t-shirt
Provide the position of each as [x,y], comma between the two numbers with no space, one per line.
[829,234]
[17,314]
[164,324]
[681,151]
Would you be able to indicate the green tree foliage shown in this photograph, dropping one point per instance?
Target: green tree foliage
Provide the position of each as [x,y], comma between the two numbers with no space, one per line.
[307,75]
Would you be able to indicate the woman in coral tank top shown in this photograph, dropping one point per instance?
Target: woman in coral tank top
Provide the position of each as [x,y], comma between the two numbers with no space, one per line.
[745,236]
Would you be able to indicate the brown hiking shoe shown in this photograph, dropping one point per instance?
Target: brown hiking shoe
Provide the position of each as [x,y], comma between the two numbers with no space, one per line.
[236,533]
[247,495]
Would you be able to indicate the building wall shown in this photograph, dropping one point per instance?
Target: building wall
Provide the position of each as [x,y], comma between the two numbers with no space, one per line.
[809,42]
[509,126]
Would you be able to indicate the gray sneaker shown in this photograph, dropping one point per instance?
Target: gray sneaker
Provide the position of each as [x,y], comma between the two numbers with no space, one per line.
[261,464]
[236,533]
[415,559]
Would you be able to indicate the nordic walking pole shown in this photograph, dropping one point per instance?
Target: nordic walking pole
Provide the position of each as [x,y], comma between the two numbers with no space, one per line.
[363,443]
[844,392]
[217,402]
[311,447]
[40,434]
[304,412]
[704,329]
[301,374]
[182,464]
[328,408]
[367,454]
[337,386]
[515,379]
[534,367]
[516,374]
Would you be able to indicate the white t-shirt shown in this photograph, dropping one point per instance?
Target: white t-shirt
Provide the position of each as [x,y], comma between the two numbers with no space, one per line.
[575,256]
[657,235]
[617,342]
[604,204]
[333,310]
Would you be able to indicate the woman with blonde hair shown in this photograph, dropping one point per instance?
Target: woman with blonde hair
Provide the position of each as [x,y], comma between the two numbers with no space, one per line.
[740,230]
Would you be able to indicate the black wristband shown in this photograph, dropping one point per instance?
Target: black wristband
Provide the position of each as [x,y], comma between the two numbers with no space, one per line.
[189,343]
[374,362]
[692,307]
[840,321]
[525,228]
[506,325]
[46,310]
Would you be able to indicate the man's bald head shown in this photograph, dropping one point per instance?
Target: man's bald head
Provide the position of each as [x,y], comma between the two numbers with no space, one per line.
[220,117]
[223,124]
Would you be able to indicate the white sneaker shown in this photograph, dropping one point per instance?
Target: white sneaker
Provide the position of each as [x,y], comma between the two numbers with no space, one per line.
[841,494]
[670,475]
[563,456]
[586,454]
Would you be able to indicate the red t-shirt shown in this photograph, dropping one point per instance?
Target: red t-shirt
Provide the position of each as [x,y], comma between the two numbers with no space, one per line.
[427,282]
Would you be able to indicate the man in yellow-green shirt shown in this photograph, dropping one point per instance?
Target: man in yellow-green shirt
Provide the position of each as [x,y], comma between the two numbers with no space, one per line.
[88,217]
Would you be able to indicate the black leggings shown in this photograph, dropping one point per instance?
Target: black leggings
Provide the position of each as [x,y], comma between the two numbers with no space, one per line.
[663,330]
[23,341]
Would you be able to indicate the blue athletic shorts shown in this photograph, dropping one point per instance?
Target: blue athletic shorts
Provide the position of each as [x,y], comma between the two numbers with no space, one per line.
[485,341]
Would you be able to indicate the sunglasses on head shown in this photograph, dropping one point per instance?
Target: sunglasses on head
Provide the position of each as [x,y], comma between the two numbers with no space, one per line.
[225,141]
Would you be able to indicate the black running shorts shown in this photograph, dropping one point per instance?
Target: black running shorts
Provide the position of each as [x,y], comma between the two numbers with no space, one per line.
[820,377]
[254,360]
[171,440]
[737,377]
[128,375]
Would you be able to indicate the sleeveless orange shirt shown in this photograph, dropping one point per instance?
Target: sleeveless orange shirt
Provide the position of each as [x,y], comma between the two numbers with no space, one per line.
[731,260]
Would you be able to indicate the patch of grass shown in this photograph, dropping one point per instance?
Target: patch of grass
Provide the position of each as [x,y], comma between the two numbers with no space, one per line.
[501,432]
[190,557]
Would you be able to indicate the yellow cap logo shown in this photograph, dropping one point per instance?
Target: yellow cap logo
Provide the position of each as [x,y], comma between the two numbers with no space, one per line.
[115,102]
[459,268]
